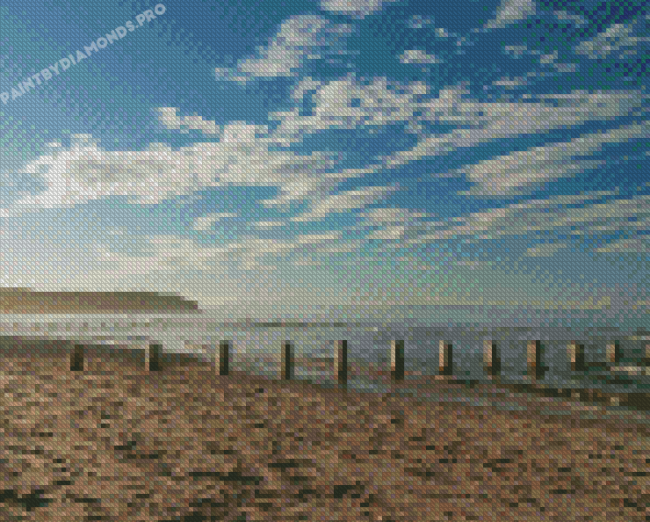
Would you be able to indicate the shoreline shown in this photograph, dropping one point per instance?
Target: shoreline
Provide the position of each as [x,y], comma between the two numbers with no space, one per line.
[427,386]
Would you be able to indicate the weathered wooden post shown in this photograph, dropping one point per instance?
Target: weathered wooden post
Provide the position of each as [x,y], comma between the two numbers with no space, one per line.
[491,358]
[77,358]
[397,360]
[287,361]
[445,358]
[613,353]
[223,357]
[577,356]
[535,359]
[153,357]
[341,361]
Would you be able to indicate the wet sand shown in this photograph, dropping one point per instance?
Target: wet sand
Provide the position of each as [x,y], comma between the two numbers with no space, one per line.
[115,442]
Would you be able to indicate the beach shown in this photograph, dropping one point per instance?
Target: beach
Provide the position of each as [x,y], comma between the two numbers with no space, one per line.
[115,442]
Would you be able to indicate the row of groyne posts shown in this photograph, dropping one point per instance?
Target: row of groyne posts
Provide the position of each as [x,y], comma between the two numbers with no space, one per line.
[491,358]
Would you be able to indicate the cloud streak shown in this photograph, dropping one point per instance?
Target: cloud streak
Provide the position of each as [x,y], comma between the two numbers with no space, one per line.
[300,39]
[522,172]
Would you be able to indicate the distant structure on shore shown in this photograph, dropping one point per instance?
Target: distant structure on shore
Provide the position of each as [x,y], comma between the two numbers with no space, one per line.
[26,301]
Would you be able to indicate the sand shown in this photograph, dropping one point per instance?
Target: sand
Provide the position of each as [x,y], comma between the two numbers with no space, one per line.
[117,443]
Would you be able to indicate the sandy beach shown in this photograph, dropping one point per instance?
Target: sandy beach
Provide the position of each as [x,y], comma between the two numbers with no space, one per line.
[117,443]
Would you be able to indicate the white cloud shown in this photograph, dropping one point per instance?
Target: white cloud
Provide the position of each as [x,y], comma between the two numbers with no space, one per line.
[350,103]
[545,250]
[264,225]
[513,83]
[395,229]
[517,51]
[639,245]
[299,39]
[441,32]
[389,233]
[249,253]
[314,188]
[592,220]
[420,22]
[169,118]
[565,67]
[390,216]
[344,202]
[205,222]
[359,8]
[86,172]
[305,86]
[419,56]
[486,122]
[549,58]
[565,16]
[510,12]
[317,239]
[522,171]
[615,38]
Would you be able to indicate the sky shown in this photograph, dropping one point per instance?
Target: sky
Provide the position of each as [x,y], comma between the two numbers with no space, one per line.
[362,158]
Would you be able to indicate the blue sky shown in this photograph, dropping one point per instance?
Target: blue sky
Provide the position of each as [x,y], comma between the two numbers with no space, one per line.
[435,160]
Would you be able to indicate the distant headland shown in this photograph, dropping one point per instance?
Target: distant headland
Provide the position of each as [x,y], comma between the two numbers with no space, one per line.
[26,301]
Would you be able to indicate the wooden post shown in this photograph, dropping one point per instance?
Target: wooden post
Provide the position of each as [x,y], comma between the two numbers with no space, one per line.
[341,361]
[287,361]
[535,359]
[77,358]
[445,358]
[397,360]
[577,356]
[491,358]
[613,353]
[223,357]
[153,356]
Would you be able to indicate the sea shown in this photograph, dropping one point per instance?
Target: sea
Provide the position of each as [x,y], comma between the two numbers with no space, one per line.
[256,343]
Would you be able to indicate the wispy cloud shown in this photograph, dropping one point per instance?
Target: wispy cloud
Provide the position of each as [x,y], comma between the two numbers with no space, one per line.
[168,116]
[264,225]
[584,218]
[617,39]
[358,8]
[574,19]
[344,202]
[510,12]
[485,122]
[638,245]
[545,250]
[204,223]
[352,103]
[85,172]
[420,22]
[523,171]
[299,40]
[418,56]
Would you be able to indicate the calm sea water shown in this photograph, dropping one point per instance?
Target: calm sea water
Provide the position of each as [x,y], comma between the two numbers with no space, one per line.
[256,347]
